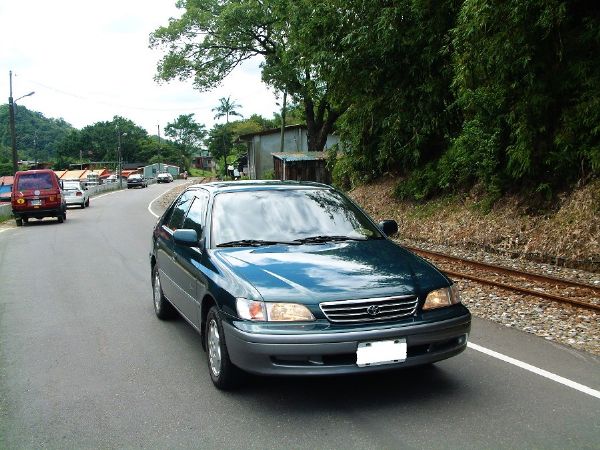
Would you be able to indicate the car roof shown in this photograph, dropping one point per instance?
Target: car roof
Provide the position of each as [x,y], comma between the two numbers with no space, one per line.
[257,185]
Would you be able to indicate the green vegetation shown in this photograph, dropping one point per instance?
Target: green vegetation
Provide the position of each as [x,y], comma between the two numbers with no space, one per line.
[503,95]
[37,137]
[448,94]
[213,37]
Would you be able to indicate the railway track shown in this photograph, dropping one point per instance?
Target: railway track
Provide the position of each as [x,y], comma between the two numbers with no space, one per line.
[550,288]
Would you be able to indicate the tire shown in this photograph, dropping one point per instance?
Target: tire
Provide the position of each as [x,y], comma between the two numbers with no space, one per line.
[223,373]
[61,218]
[19,222]
[162,307]
[87,203]
[83,205]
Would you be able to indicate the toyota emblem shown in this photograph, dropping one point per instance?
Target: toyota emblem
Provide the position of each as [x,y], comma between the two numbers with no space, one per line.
[373,310]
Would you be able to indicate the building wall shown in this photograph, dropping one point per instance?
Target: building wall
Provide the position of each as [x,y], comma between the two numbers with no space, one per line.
[260,160]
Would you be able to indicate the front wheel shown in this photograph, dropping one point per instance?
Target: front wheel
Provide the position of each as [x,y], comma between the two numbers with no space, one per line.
[223,373]
[162,308]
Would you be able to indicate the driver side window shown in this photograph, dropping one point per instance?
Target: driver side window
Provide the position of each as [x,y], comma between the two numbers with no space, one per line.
[175,221]
[196,216]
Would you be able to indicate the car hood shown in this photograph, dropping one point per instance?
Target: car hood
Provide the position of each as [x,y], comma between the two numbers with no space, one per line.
[335,271]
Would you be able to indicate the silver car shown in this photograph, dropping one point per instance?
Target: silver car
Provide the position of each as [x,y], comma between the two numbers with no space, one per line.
[76,194]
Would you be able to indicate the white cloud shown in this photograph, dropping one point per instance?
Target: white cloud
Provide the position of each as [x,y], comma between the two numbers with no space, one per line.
[90,61]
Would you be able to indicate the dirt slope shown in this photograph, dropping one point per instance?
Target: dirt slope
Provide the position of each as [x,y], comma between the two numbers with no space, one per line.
[570,235]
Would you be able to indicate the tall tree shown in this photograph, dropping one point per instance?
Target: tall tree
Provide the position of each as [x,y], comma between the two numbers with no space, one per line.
[187,134]
[219,142]
[227,107]
[213,37]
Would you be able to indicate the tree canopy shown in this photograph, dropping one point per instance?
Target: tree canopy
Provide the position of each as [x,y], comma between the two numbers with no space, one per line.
[213,37]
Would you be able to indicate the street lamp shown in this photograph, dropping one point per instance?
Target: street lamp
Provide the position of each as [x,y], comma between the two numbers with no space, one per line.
[11,120]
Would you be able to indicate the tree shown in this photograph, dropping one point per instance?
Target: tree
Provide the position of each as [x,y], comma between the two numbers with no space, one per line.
[213,37]
[187,135]
[99,142]
[226,108]
[219,142]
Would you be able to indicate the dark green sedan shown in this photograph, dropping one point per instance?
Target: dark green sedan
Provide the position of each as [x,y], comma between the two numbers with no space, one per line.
[287,278]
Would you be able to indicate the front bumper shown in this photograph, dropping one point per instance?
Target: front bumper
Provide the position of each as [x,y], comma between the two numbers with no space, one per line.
[333,353]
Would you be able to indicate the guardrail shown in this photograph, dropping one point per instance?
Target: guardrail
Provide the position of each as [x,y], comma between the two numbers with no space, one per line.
[5,212]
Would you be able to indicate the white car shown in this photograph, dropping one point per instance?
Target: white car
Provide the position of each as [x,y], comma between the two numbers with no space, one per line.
[76,194]
[164,177]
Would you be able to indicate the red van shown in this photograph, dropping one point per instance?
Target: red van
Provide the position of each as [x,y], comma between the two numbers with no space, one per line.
[37,194]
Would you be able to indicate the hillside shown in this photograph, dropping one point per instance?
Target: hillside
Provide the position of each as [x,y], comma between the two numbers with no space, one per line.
[568,235]
[37,135]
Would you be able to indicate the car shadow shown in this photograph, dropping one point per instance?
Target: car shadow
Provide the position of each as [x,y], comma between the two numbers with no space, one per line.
[372,391]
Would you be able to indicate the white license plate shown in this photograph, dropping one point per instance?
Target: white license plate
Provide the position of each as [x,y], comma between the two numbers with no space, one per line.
[381,352]
[36,203]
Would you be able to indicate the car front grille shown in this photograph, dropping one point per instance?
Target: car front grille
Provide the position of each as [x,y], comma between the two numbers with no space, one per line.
[370,309]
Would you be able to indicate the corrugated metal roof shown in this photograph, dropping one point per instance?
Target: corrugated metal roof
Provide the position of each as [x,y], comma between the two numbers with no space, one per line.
[292,157]
[8,179]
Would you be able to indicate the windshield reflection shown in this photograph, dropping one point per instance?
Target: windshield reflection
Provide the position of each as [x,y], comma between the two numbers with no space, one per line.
[287,215]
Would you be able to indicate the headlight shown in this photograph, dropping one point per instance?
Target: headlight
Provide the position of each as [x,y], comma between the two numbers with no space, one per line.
[272,312]
[442,297]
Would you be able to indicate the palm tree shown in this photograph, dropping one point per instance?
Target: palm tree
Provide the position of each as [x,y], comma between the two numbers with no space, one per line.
[227,107]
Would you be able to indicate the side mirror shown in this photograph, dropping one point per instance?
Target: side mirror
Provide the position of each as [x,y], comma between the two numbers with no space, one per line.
[186,238]
[389,227]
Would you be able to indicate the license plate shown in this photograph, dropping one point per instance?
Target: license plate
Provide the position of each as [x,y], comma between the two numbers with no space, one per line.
[380,352]
[36,203]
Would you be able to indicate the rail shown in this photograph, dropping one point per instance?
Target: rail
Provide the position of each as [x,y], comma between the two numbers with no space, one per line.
[495,269]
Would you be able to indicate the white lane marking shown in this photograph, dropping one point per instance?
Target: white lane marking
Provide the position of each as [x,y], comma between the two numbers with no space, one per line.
[541,372]
[150,204]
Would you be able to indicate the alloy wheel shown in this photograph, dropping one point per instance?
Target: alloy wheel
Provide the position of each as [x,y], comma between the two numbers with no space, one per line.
[214,348]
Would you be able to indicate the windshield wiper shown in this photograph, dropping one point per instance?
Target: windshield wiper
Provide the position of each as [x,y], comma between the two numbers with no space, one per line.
[252,243]
[322,239]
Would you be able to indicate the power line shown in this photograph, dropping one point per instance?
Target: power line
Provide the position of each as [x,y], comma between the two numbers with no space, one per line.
[106,103]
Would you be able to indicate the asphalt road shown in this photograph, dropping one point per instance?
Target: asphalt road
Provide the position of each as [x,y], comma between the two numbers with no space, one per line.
[84,363]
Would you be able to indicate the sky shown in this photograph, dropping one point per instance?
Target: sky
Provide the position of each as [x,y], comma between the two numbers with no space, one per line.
[88,61]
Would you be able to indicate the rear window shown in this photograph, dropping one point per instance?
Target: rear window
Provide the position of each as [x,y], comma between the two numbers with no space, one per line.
[72,186]
[35,181]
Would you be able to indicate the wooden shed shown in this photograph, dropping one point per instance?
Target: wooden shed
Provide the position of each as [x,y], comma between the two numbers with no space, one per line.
[301,167]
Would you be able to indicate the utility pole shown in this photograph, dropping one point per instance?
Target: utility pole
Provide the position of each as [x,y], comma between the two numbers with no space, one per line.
[11,119]
[159,157]
[283,121]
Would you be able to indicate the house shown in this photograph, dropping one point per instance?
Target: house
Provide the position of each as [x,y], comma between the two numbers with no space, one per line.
[262,145]
[85,175]
[6,188]
[203,160]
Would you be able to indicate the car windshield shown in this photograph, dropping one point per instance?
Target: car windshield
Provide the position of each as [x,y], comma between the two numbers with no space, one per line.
[292,216]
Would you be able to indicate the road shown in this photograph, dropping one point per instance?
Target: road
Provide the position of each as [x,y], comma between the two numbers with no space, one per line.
[84,363]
